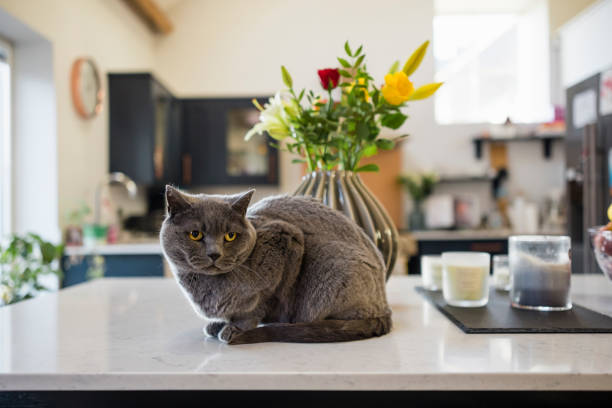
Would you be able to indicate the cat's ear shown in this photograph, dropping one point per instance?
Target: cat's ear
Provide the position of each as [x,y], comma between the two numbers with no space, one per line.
[176,201]
[240,202]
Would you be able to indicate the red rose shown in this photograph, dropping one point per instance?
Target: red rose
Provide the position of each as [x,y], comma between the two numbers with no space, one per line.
[329,75]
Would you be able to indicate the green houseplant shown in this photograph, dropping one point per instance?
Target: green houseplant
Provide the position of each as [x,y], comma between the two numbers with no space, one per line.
[23,261]
[419,186]
[332,129]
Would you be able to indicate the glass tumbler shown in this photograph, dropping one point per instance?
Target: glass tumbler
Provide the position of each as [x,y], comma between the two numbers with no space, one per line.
[541,272]
[501,273]
[465,278]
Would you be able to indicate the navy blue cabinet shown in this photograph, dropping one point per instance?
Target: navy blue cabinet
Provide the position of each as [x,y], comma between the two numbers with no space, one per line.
[145,129]
[76,269]
[156,138]
[215,152]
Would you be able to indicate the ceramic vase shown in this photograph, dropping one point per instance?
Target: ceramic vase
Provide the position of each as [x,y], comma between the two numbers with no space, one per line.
[344,191]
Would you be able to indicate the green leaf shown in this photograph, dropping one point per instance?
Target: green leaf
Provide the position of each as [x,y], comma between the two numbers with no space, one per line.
[362,130]
[385,144]
[328,157]
[370,150]
[394,120]
[358,50]
[375,97]
[48,252]
[347,48]
[359,60]
[367,167]
[345,74]
[415,59]
[344,62]
[298,161]
[286,77]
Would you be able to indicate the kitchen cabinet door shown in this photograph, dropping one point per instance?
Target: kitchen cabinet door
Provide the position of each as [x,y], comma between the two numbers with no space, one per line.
[131,127]
[215,152]
[203,157]
[145,129]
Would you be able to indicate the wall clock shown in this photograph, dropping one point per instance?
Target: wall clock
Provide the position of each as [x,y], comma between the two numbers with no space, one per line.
[87,93]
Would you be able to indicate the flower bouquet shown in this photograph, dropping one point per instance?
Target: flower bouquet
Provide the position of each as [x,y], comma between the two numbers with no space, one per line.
[333,129]
[336,133]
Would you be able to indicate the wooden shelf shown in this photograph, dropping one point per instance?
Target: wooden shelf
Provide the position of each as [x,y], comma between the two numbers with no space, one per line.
[546,141]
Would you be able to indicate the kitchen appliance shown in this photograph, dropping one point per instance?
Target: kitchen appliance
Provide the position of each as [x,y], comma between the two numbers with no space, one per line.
[588,150]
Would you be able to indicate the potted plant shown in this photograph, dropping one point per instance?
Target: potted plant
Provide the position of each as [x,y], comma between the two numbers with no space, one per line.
[332,131]
[419,186]
[23,262]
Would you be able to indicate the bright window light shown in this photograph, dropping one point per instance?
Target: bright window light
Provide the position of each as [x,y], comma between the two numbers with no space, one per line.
[494,66]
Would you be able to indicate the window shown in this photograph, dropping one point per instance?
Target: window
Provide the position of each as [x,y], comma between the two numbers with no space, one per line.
[5,137]
[494,65]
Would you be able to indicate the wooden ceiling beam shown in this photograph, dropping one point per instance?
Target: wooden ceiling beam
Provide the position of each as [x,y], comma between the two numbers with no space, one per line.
[152,14]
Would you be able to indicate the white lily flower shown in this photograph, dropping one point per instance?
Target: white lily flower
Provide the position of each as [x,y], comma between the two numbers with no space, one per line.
[275,118]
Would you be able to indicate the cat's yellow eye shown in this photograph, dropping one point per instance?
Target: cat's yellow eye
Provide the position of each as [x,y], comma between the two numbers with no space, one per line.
[196,235]
[230,236]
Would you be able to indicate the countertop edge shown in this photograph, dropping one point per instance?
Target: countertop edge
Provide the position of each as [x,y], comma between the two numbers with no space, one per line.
[308,381]
[150,248]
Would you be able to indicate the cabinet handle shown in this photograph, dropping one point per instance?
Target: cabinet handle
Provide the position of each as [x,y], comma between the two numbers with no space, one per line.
[187,169]
[158,162]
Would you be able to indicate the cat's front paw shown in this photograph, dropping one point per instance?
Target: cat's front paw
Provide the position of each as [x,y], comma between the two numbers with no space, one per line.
[213,329]
[228,333]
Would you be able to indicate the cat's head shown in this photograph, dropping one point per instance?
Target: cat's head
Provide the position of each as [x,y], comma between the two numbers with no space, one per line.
[207,234]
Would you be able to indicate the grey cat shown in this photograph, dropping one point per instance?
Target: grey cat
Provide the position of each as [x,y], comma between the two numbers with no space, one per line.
[287,269]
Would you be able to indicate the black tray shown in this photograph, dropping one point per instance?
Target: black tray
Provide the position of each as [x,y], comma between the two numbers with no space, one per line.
[499,317]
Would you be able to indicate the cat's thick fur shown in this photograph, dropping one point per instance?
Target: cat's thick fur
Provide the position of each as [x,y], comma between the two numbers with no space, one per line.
[298,271]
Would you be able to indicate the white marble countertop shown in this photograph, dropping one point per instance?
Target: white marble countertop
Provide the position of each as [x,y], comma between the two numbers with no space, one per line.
[127,248]
[118,334]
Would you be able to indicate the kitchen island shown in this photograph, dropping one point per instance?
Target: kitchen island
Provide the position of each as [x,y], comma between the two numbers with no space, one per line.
[141,334]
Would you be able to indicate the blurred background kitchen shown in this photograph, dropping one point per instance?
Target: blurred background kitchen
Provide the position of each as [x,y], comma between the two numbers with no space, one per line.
[103,102]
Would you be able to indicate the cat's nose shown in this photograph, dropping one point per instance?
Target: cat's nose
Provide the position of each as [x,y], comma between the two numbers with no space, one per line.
[214,256]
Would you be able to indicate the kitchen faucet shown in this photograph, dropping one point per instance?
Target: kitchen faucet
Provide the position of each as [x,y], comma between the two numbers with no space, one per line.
[113,178]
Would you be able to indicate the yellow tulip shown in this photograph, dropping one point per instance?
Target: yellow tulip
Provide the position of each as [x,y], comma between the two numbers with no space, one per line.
[398,88]
[360,81]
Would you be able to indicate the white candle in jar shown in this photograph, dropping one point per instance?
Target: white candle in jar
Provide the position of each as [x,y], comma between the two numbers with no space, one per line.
[465,278]
[431,272]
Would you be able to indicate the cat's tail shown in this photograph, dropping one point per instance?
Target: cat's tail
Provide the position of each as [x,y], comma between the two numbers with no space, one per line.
[323,331]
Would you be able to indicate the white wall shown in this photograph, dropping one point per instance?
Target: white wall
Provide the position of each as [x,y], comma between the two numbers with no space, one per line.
[35,159]
[584,42]
[110,33]
[32,178]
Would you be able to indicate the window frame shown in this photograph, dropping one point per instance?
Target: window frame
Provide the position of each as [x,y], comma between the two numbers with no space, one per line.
[6,145]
